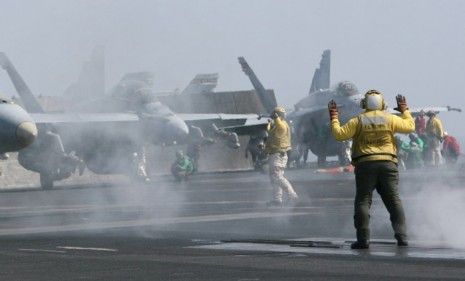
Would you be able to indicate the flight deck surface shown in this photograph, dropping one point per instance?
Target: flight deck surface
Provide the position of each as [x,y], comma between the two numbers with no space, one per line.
[217,227]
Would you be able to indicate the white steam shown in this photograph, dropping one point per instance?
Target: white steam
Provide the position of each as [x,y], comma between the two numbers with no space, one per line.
[437,216]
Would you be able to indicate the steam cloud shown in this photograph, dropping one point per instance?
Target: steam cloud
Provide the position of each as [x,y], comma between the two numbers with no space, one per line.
[437,215]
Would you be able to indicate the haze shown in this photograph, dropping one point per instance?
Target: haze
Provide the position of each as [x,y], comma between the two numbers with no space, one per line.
[411,47]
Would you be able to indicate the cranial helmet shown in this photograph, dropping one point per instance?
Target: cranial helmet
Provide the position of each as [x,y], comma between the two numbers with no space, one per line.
[373,100]
[430,113]
[280,111]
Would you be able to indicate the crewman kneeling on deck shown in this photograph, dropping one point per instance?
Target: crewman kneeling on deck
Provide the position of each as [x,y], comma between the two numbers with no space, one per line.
[374,155]
[183,167]
[277,145]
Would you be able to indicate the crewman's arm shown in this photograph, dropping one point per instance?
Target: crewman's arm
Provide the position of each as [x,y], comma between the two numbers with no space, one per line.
[405,146]
[279,126]
[404,124]
[345,132]
[421,144]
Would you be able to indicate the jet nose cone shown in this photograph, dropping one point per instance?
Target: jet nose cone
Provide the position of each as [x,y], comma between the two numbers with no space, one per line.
[26,133]
[183,130]
[177,129]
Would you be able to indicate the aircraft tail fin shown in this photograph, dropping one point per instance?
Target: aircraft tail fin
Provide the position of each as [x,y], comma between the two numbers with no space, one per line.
[265,99]
[91,80]
[145,77]
[133,83]
[321,77]
[29,101]
[202,83]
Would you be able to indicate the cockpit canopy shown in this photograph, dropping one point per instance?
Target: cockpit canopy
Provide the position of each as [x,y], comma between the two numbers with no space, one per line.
[157,109]
[346,89]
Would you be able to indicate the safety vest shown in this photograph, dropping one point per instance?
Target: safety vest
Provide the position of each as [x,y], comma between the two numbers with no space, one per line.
[279,137]
[434,128]
[374,138]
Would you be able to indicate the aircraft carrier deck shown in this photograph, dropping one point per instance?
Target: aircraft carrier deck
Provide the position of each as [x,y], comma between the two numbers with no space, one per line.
[217,227]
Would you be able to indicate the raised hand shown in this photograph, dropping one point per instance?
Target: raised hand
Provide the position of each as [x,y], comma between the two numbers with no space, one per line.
[401,104]
[333,111]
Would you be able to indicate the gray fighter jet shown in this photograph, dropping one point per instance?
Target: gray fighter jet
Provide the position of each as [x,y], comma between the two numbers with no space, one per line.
[135,93]
[106,142]
[310,121]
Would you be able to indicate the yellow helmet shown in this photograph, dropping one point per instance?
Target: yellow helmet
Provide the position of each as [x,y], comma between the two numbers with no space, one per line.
[373,100]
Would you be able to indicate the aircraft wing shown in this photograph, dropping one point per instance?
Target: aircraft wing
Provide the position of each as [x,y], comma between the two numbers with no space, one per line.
[220,119]
[216,116]
[250,127]
[416,110]
[65,118]
[305,111]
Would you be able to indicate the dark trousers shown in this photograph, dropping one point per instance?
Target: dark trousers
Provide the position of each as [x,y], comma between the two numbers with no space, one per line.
[384,177]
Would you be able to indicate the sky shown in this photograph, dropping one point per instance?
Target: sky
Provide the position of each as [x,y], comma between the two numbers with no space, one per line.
[415,48]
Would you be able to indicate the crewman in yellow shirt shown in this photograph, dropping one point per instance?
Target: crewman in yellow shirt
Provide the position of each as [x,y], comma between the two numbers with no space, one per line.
[434,137]
[374,155]
[277,145]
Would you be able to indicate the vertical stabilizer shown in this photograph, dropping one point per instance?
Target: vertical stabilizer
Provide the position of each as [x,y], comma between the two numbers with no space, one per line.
[268,102]
[322,74]
[29,101]
[91,80]
[202,83]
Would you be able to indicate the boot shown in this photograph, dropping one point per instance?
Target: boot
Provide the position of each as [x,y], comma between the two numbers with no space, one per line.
[401,241]
[291,201]
[274,203]
[360,245]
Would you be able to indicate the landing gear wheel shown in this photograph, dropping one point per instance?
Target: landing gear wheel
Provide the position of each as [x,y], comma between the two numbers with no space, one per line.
[321,161]
[46,181]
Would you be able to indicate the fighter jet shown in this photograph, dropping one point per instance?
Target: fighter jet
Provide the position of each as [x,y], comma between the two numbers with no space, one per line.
[135,93]
[310,122]
[106,142]
[90,84]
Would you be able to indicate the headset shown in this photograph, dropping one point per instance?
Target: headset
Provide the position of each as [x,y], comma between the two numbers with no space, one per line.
[279,111]
[373,100]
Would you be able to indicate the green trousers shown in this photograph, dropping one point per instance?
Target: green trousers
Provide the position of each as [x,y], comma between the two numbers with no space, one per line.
[384,177]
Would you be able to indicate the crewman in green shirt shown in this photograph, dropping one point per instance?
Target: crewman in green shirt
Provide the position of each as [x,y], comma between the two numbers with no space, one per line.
[183,167]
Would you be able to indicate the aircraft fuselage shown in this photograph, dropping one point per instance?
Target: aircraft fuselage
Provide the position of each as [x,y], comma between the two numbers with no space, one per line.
[311,121]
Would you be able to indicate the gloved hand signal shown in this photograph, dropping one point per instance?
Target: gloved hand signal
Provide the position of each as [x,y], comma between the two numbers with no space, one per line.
[401,103]
[333,111]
